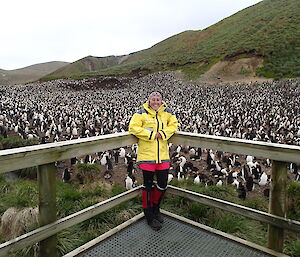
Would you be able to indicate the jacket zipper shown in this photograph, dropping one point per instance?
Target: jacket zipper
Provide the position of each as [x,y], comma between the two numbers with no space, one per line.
[157,139]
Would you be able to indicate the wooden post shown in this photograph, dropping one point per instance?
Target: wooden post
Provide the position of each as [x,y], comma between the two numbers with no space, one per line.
[277,204]
[47,206]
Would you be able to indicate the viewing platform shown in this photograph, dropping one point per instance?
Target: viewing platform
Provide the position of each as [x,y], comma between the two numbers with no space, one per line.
[179,236]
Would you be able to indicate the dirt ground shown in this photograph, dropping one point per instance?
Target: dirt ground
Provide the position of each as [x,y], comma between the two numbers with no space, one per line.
[224,72]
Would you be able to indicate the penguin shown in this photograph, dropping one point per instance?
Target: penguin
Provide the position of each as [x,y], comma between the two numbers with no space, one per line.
[263,179]
[128,182]
[220,182]
[170,177]
[249,183]
[122,152]
[197,180]
[241,191]
[66,176]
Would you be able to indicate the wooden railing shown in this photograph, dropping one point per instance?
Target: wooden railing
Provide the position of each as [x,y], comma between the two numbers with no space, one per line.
[44,157]
[36,155]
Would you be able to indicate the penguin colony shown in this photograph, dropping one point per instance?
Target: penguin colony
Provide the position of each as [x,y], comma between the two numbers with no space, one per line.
[68,109]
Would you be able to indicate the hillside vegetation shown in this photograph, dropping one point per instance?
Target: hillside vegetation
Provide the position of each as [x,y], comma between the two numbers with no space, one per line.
[269,30]
[88,64]
[28,74]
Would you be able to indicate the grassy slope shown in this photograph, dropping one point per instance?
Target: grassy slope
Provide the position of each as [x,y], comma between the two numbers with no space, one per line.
[270,29]
[30,73]
[86,64]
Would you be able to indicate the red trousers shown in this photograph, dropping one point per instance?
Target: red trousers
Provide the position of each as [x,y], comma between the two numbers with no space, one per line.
[153,193]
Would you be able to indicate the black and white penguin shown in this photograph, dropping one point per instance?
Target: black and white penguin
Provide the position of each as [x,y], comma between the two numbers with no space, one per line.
[66,176]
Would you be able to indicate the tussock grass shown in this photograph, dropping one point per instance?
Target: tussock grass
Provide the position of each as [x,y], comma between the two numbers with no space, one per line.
[253,231]
[257,203]
[14,142]
[14,222]
[2,178]
[230,223]
[292,248]
[89,172]
[293,203]
[19,193]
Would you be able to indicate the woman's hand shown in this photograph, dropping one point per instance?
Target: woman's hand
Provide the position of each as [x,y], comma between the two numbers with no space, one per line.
[158,135]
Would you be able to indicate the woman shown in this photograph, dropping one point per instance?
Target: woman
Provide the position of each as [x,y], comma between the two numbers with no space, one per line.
[153,125]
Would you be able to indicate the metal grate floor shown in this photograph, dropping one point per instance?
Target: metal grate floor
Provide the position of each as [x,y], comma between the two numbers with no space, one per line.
[176,238]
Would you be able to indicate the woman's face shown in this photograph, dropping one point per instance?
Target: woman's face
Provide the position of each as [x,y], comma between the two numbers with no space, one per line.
[155,102]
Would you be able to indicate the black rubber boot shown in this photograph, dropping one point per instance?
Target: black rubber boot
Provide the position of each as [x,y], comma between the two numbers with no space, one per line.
[152,222]
[156,213]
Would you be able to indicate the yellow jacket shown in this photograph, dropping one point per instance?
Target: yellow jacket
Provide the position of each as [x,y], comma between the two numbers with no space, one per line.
[144,124]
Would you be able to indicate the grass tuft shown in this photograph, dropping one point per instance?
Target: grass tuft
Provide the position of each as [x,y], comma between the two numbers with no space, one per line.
[292,248]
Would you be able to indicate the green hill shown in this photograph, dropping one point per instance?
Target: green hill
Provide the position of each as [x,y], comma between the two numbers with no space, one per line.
[88,64]
[28,74]
[269,30]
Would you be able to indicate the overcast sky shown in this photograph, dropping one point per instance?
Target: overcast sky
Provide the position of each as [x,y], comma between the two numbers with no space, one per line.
[35,31]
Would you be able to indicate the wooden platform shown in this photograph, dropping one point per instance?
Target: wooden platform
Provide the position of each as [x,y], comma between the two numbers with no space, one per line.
[178,237]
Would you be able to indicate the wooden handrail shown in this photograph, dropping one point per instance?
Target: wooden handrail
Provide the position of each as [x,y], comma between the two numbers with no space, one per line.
[29,156]
[272,151]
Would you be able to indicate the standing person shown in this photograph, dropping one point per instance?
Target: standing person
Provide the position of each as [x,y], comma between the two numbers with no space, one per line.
[153,125]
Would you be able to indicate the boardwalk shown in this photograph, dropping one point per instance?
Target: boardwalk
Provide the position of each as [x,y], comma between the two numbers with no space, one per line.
[178,237]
